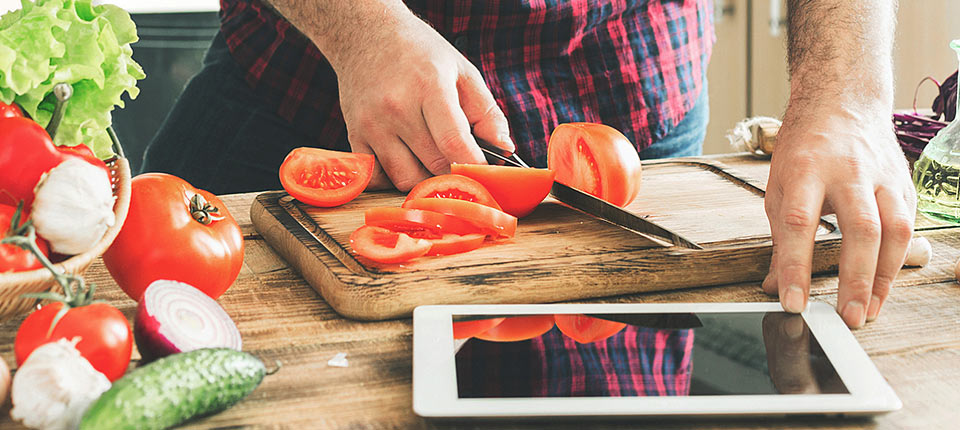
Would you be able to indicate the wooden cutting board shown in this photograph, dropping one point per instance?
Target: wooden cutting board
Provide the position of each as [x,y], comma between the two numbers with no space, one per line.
[558,253]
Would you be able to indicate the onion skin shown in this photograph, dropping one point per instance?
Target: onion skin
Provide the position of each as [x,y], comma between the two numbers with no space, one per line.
[146,333]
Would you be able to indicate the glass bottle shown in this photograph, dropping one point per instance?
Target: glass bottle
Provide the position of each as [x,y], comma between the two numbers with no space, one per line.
[936,173]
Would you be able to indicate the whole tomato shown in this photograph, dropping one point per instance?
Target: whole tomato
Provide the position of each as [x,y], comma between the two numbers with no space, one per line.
[105,338]
[13,258]
[26,153]
[177,232]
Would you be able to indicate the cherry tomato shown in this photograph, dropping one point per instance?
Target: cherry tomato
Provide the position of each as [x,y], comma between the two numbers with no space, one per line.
[517,328]
[26,153]
[455,244]
[105,338]
[325,178]
[587,329]
[385,246]
[466,329]
[491,221]
[452,186]
[596,159]
[177,232]
[10,110]
[418,223]
[13,258]
[518,190]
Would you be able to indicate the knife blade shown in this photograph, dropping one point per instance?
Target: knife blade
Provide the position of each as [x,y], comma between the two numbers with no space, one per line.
[593,205]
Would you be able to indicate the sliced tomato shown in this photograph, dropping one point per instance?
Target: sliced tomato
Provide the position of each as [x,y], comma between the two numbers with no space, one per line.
[518,190]
[596,159]
[452,186]
[587,329]
[491,221]
[513,329]
[325,178]
[417,223]
[385,246]
[455,244]
[466,329]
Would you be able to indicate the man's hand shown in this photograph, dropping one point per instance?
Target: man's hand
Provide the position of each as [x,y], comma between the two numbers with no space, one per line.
[836,153]
[407,95]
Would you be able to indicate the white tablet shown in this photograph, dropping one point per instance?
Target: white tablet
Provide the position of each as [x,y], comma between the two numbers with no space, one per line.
[593,360]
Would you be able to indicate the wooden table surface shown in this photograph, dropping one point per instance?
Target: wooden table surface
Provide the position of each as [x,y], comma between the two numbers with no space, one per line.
[915,343]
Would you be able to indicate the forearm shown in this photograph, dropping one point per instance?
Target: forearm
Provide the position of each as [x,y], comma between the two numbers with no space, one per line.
[839,54]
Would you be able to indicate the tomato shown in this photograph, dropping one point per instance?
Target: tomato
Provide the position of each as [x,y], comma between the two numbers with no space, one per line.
[587,329]
[177,232]
[10,110]
[418,223]
[455,244]
[13,258]
[596,159]
[105,338]
[518,190]
[513,329]
[325,178]
[466,329]
[453,187]
[491,222]
[26,153]
[385,246]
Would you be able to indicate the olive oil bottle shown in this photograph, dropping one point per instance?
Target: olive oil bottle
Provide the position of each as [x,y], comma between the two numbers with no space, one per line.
[937,173]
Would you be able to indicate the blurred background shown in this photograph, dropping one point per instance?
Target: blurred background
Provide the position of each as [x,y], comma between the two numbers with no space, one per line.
[748,70]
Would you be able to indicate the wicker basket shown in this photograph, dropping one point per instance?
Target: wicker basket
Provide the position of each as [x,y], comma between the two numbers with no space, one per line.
[12,285]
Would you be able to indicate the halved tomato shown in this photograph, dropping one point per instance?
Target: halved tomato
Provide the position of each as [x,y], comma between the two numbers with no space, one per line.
[452,186]
[596,159]
[385,246]
[455,244]
[465,329]
[518,190]
[587,329]
[513,329]
[491,221]
[325,178]
[417,223]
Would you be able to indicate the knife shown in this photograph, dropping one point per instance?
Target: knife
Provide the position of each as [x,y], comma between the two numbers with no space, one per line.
[592,205]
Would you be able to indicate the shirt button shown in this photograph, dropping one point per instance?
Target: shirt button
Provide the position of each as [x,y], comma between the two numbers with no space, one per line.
[461,43]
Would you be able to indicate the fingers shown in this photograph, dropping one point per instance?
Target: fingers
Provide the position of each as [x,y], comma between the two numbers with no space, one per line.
[897,229]
[482,112]
[769,284]
[787,342]
[417,137]
[795,219]
[449,128]
[394,160]
[860,223]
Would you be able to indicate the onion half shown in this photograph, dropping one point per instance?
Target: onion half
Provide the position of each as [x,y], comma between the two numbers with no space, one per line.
[175,317]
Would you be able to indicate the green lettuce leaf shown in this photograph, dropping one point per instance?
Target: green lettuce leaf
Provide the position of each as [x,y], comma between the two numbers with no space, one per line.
[47,42]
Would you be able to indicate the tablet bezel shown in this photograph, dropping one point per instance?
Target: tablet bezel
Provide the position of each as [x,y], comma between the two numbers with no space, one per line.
[435,382]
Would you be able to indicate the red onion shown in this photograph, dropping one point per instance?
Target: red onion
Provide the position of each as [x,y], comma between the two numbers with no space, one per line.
[175,317]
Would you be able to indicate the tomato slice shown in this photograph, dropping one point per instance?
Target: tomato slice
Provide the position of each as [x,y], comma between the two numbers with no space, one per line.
[325,178]
[466,329]
[587,329]
[491,221]
[417,223]
[596,159]
[518,190]
[513,329]
[385,246]
[452,186]
[455,244]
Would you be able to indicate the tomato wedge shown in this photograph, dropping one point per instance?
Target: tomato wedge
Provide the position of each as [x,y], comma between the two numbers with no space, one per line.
[455,244]
[491,221]
[385,246]
[587,329]
[518,190]
[513,329]
[465,329]
[325,178]
[417,223]
[452,186]
[596,159]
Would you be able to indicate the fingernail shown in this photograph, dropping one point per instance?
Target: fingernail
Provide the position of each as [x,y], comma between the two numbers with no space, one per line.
[505,138]
[793,327]
[794,299]
[853,314]
[873,310]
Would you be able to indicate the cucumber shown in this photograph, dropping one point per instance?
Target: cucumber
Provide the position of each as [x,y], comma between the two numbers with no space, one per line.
[176,388]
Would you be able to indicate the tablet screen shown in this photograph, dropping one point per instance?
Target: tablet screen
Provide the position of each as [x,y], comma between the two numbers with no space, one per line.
[639,354]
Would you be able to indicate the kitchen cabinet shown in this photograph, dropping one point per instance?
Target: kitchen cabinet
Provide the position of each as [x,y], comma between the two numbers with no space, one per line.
[748,70]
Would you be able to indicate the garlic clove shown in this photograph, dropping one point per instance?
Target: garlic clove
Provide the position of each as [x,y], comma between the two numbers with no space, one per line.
[73,206]
[919,253]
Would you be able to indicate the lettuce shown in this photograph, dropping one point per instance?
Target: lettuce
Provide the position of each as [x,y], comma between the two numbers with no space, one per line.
[51,41]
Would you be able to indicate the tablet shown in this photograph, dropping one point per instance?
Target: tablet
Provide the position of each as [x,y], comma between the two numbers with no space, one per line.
[628,360]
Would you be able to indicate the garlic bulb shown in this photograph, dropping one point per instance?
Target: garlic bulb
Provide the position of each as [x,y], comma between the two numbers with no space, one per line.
[55,386]
[919,253]
[73,206]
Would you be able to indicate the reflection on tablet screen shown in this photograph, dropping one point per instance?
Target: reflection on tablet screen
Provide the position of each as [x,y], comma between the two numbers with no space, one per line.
[614,355]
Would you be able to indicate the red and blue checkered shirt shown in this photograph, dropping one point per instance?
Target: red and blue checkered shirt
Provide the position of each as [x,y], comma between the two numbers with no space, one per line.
[636,65]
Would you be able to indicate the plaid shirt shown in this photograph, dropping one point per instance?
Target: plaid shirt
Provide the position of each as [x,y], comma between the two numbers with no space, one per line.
[637,65]
[637,361]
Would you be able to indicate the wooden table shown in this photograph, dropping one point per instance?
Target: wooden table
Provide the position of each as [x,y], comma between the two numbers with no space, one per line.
[915,343]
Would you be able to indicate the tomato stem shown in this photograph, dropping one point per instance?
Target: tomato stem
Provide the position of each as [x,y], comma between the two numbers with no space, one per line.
[203,211]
